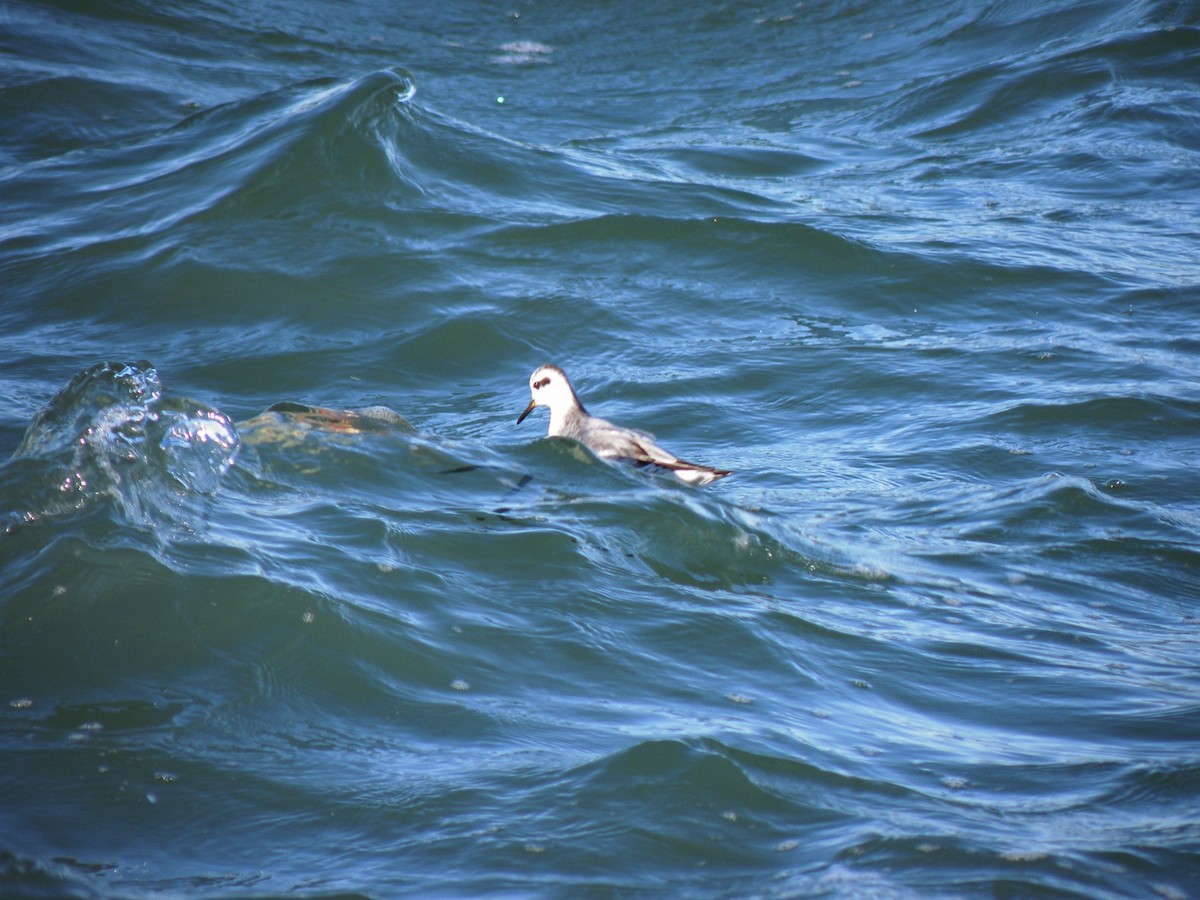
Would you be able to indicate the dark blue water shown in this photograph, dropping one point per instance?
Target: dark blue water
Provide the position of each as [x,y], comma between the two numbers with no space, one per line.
[924,275]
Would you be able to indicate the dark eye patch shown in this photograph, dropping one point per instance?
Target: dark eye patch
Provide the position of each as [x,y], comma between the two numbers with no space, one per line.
[542,383]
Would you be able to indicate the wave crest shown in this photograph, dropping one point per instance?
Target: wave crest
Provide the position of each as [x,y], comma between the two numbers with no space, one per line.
[111,433]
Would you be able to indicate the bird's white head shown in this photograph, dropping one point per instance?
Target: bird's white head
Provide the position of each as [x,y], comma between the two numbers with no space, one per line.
[548,386]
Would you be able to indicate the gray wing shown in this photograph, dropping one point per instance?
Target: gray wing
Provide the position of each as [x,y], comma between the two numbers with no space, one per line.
[614,442]
[610,441]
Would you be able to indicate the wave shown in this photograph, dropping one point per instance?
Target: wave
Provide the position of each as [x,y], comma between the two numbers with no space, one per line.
[112,434]
[146,186]
[114,449]
[406,174]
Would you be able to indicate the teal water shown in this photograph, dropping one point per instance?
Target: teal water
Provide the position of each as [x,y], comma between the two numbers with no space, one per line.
[924,275]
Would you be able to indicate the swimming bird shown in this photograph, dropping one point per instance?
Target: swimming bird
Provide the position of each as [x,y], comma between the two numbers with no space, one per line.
[548,386]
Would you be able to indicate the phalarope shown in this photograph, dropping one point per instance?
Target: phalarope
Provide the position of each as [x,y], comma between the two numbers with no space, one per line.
[548,386]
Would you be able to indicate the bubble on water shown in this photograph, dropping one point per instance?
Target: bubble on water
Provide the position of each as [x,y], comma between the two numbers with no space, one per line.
[459,685]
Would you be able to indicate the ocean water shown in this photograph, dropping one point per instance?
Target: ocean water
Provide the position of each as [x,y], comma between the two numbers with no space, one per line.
[926,276]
